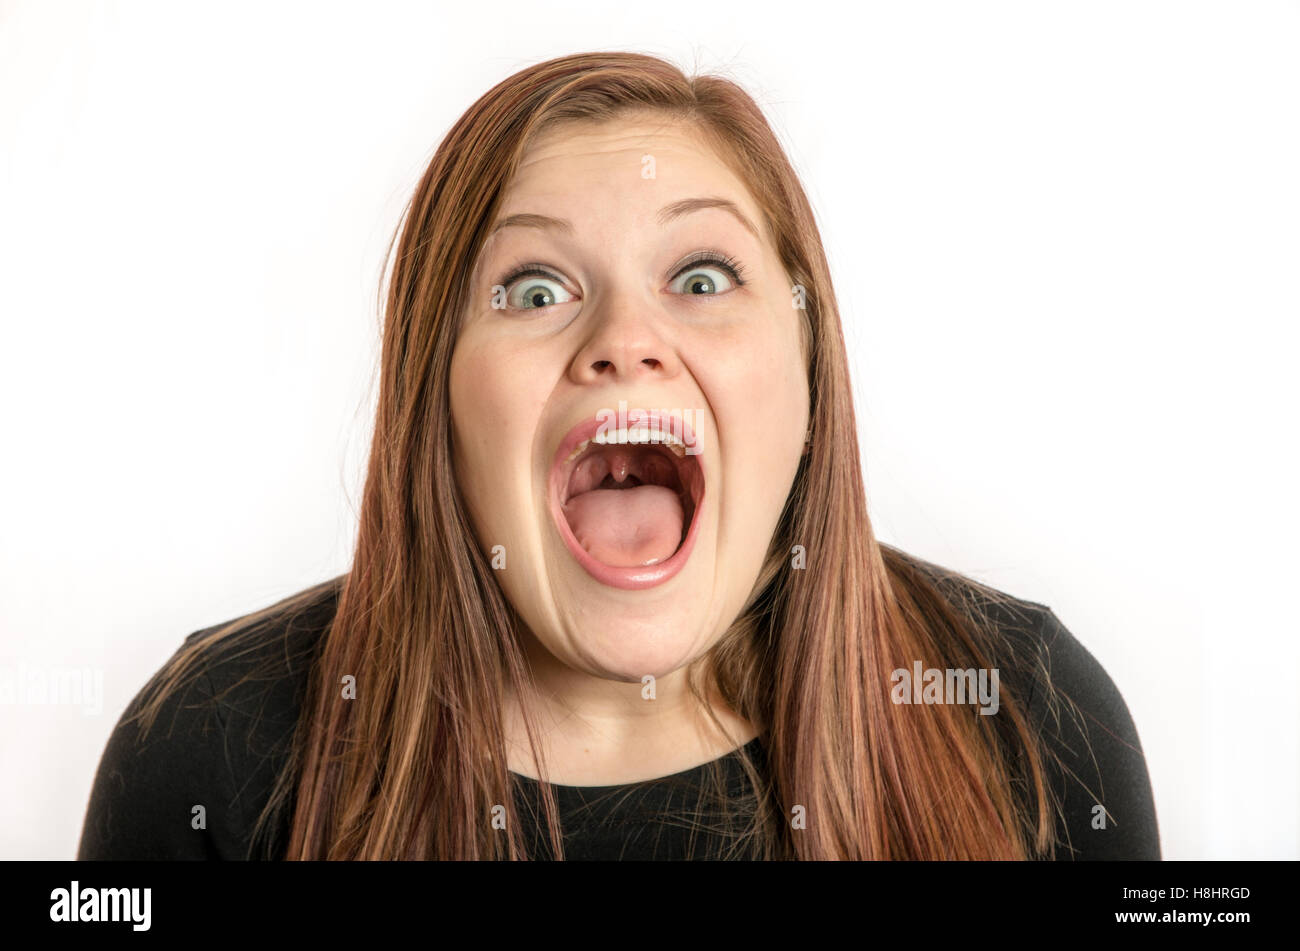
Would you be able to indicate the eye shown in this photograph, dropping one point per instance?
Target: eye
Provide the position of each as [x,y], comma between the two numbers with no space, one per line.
[706,274]
[723,274]
[541,289]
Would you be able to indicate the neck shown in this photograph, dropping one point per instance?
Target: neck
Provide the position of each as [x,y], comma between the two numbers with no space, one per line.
[593,731]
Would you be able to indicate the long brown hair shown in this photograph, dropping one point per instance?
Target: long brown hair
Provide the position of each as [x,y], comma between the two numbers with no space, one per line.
[415,764]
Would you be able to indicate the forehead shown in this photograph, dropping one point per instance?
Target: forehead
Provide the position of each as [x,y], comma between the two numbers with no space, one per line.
[655,156]
[619,181]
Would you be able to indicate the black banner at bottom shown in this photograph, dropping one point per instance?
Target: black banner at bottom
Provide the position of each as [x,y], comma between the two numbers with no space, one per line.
[948,901]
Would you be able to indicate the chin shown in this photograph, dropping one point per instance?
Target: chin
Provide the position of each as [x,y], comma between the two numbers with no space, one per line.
[624,652]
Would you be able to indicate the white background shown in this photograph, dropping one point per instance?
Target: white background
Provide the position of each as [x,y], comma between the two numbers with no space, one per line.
[1065,239]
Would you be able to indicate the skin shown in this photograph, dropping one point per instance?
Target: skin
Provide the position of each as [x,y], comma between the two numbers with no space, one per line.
[625,325]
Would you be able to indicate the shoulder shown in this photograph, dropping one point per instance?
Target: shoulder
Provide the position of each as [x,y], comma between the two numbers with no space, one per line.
[1103,786]
[1093,756]
[257,666]
[193,760]
[1096,768]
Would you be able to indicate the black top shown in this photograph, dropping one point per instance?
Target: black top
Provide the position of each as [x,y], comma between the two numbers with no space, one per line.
[220,743]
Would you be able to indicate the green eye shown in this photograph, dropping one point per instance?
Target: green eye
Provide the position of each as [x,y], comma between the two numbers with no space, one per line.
[544,290]
[705,280]
[706,274]
[537,294]
[723,274]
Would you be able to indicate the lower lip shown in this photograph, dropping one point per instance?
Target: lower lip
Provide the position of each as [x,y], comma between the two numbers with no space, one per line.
[630,579]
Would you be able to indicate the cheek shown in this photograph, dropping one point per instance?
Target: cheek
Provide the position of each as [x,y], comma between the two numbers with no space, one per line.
[759,391]
[494,419]
[760,387]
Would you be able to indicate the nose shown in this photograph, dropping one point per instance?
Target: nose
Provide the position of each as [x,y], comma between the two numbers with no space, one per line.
[624,347]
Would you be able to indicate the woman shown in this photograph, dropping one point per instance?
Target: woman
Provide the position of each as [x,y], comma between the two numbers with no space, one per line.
[615,591]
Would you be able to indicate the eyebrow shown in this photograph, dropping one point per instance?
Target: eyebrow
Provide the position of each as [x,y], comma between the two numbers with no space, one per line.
[666,214]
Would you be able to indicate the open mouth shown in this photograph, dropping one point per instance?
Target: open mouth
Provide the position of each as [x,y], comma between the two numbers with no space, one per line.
[627,501]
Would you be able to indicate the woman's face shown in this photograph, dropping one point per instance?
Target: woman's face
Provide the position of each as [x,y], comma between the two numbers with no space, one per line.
[629,555]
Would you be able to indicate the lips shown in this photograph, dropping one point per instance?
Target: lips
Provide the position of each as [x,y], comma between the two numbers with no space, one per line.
[654,464]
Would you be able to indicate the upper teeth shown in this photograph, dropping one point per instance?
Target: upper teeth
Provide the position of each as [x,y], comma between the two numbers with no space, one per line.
[637,435]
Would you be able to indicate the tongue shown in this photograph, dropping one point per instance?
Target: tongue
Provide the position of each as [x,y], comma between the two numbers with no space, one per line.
[627,528]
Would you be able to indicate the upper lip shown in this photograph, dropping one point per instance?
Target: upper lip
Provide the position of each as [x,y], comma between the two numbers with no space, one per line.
[562,465]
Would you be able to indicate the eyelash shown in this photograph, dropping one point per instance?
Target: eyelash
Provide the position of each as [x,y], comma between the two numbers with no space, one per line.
[724,261]
[734,268]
